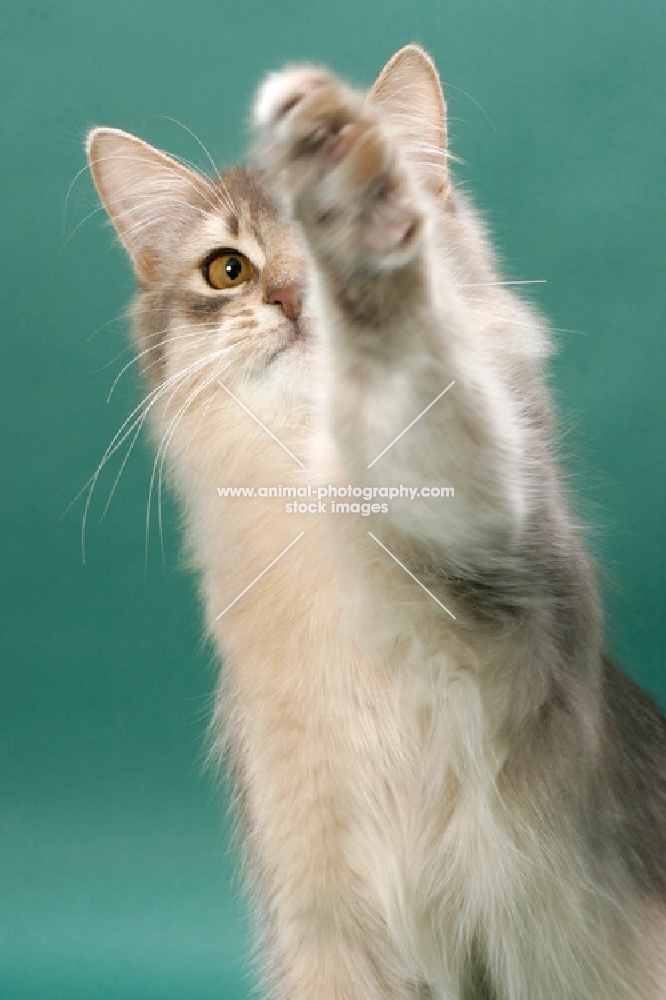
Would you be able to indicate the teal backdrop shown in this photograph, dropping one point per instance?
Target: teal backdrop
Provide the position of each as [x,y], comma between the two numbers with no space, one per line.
[117,878]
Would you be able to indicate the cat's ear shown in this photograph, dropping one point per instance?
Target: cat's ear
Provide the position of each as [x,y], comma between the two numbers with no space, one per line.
[144,191]
[409,93]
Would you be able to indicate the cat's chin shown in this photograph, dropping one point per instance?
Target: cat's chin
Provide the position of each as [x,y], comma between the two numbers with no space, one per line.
[297,344]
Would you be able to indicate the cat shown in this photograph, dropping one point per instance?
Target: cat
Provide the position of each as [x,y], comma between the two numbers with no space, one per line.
[446,788]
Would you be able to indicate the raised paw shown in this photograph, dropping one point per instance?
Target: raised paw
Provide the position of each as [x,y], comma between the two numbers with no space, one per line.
[326,151]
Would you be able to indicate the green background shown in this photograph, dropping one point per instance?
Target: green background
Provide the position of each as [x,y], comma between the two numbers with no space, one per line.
[116,876]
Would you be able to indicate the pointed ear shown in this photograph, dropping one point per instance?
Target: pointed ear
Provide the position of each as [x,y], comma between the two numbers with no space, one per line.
[408,91]
[144,191]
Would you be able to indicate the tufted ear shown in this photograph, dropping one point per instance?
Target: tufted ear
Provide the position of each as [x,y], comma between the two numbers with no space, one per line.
[409,93]
[144,191]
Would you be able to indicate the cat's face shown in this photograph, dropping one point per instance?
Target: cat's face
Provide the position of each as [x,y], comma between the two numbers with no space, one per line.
[222,281]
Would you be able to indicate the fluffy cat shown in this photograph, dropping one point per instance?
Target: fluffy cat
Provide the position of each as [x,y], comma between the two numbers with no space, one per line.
[445,790]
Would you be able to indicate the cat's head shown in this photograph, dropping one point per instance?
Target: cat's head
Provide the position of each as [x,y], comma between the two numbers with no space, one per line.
[222,274]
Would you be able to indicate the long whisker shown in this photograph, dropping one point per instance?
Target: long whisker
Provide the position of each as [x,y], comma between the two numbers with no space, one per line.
[452,86]
[167,436]
[139,425]
[226,200]
[83,170]
[219,371]
[166,441]
[514,322]
[487,284]
[117,441]
[121,317]
[122,434]
[99,208]
[189,131]
[201,331]
[207,328]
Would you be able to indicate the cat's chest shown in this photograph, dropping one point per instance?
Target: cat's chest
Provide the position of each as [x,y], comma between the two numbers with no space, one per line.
[438,759]
[427,840]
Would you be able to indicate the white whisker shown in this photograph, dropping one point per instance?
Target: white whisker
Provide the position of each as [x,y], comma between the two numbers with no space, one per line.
[122,434]
[488,284]
[514,322]
[83,170]
[452,86]
[199,332]
[167,436]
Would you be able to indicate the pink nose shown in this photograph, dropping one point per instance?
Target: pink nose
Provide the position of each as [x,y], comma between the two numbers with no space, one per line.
[288,297]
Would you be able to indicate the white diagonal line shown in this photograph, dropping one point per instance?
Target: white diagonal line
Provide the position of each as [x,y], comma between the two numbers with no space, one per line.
[260,576]
[487,284]
[410,425]
[251,414]
[409,573]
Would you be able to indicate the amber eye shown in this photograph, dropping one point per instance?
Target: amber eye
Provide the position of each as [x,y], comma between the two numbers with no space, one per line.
[227,269]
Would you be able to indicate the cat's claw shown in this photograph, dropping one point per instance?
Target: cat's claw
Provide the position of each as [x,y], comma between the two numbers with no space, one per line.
[325,150]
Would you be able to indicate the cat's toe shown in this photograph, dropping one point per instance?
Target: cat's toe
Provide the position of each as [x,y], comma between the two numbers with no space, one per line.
[304,118]
[282,91]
